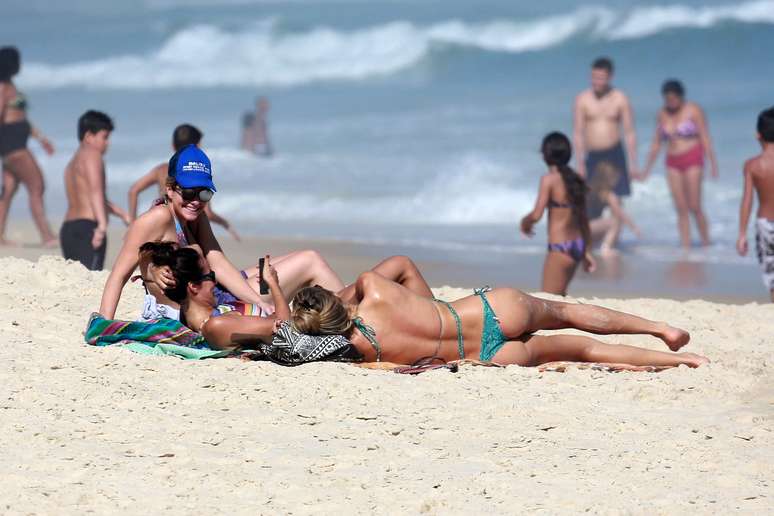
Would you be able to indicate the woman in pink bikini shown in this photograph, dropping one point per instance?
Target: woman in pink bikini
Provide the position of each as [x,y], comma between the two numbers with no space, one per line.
[683,127]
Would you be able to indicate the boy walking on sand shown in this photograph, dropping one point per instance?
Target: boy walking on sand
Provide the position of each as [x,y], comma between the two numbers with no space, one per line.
[83,234]
[759,175]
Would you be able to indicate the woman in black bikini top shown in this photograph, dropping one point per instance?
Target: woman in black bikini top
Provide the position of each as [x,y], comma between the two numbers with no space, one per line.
[19,165]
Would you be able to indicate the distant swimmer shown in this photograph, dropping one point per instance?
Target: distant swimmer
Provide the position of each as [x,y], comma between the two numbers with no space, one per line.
[84,232]
[682,126]
[599,114]
[759,176]
[18,163]
[183,135]
[255,129]
[563,193]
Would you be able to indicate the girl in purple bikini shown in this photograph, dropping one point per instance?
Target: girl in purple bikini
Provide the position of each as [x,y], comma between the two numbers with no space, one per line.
[563,192]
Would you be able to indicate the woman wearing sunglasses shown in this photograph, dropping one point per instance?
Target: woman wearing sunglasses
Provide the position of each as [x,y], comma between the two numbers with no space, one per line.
[180,217]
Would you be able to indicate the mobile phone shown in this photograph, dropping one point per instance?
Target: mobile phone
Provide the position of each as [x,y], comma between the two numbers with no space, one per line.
[263,287]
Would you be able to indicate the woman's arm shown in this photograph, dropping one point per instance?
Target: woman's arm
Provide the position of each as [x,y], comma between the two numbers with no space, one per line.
[147,228]
[139,186]
[228,275]
[706,141]
[532,218]
[221,221]
[655,149]
[744,209]
[281,307]
[229,332]
[44,142]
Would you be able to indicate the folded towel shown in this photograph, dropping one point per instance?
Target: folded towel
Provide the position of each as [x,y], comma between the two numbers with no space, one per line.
[156,337]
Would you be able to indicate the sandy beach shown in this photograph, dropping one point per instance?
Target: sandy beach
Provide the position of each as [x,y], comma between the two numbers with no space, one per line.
[104,430]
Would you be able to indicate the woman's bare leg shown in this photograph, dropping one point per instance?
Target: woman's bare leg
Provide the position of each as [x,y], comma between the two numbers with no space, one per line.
[301,269]
[558,270]
[521,313]
[576,348]
[10,185]
[679,197]
[22,165]
[693,180]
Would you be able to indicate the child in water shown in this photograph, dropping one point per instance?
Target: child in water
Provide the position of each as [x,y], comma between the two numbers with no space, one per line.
[601,195]
[759,176]
[563,192]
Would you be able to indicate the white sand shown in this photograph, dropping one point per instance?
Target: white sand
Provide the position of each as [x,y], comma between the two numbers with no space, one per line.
[105,430]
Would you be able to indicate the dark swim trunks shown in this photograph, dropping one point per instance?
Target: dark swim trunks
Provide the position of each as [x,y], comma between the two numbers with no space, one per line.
[75,237]
[614,159]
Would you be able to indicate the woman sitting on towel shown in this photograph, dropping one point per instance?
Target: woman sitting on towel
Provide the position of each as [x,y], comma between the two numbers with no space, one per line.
[394,318]
[180,217]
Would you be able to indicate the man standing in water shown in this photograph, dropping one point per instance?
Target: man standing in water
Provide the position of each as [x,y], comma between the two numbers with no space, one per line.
[598,115]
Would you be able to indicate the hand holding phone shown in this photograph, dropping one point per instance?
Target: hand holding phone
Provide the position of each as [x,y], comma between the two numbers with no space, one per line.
[263,286]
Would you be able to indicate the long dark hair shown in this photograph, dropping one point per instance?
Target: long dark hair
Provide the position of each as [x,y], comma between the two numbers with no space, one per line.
[557,151]
[183,262]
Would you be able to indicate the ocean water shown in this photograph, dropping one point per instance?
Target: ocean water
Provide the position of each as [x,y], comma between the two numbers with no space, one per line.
[413,122]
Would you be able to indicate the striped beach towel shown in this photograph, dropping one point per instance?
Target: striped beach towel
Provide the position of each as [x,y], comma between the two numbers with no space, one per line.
[156,337]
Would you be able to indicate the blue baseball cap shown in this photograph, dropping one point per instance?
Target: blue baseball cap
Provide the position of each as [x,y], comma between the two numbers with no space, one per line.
[191,168]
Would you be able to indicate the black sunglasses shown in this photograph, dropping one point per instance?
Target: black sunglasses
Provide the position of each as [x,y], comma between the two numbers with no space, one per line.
[210,276]
[190,194]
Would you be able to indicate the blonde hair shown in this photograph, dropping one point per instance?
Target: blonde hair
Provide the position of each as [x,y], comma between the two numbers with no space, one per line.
[317,311]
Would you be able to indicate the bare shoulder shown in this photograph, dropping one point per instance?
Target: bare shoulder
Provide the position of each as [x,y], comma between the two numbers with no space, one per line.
[156,217]
[583,97]
[549,180]
[89,158]
[752,167]
[620,97]
[375,287]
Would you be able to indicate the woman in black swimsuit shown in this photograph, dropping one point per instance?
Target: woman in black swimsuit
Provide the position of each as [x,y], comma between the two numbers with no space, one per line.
[19,166]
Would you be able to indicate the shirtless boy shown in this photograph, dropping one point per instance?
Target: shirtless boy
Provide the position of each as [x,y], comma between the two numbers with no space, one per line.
[183,136]
[83,234]
[759,176]
[598,115]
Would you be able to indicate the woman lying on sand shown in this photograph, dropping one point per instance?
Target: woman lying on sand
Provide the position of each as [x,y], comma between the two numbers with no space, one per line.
[180,217]
[390,315]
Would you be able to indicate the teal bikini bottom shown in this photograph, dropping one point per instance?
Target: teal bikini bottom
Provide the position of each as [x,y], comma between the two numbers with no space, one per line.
[492,337]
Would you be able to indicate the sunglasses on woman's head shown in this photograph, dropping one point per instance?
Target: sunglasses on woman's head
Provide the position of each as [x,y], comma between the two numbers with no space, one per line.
[210,276]
[191,194]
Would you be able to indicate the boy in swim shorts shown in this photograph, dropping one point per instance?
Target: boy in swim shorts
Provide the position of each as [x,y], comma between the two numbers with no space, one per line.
[759,176]
[83,233]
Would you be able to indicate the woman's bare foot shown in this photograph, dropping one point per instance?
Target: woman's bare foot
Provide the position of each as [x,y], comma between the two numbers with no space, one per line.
[693,360]
[674,338]
[51,243]
[8,243]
